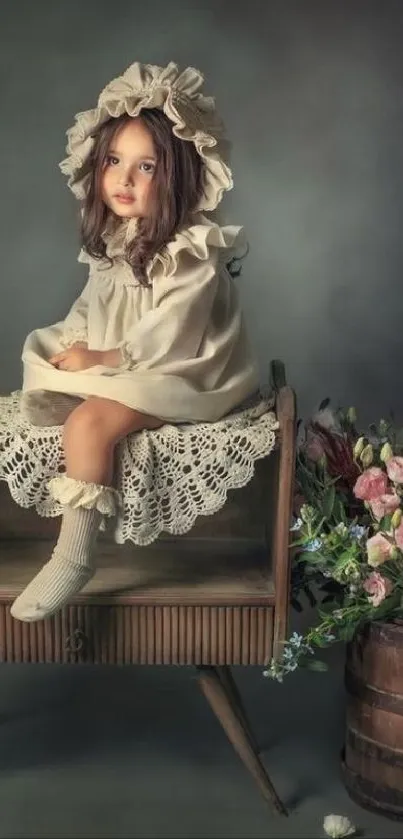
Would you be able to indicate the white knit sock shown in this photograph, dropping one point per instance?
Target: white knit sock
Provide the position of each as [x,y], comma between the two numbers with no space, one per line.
[68,570]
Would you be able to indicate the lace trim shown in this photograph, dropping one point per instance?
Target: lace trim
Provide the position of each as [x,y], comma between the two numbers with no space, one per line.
[67,490]
[166,478]
[72,336]
[128,362]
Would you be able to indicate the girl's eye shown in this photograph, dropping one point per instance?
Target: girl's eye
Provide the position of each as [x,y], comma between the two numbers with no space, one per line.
[112,160]
[148,168]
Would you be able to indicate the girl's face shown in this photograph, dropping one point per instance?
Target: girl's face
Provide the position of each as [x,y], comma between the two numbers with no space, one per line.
[129,170]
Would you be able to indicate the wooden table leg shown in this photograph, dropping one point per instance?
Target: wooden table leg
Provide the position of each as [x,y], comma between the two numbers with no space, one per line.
[222,705]
[231,688]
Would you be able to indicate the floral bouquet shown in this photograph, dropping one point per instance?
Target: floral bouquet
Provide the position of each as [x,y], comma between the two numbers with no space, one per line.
[348,529]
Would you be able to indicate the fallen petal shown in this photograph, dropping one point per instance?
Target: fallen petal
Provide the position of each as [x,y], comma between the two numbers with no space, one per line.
[337,826]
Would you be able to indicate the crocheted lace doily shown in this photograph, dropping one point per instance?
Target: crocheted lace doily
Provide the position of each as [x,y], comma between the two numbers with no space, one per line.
[167,478]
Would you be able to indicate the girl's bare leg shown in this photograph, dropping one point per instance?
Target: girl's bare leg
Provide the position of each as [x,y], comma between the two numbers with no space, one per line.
[91,433]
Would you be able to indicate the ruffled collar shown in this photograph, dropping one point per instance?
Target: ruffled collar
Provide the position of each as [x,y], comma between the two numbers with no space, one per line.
[197,239]
[193,116]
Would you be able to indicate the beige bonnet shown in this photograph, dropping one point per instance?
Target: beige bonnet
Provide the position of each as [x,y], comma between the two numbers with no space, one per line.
[193,116]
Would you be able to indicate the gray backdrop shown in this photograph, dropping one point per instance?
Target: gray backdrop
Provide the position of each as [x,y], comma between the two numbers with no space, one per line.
[312,95]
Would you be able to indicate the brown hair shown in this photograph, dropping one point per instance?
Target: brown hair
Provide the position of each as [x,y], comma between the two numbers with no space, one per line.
[177,187]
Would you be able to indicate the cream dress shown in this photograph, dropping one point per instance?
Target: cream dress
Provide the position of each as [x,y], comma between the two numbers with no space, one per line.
[185,353]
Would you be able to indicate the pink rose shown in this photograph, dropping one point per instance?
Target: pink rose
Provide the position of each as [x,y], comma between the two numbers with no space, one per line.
[377,587]
[398,534]
[371,484]
[394,468]
[379,550]
[384,505]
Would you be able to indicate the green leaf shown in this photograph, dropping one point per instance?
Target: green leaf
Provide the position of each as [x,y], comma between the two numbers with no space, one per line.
[385,523]
[339,511]
[345,557]
[328,501]
[311,557]
[346,631]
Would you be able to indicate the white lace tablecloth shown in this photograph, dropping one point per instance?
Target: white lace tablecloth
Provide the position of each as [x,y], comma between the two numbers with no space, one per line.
[167,478]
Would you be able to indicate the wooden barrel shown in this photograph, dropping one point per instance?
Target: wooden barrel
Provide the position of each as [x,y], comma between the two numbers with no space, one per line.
[372,761]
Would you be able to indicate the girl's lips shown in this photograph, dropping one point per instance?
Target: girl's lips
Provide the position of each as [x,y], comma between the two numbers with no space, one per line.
[124,199]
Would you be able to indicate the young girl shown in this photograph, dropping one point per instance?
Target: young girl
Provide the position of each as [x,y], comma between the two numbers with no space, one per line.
[156,335]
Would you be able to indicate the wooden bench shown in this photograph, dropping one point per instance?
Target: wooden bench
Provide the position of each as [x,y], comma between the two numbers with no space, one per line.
[214,598]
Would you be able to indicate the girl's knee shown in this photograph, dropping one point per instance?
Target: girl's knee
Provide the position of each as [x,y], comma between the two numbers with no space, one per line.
[107,421]
[86,422]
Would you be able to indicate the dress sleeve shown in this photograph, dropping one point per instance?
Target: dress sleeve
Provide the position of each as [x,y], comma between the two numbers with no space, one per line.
[174,328]
[75,323]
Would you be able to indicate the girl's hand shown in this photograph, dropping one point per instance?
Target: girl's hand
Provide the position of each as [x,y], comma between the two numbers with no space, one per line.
[77,358]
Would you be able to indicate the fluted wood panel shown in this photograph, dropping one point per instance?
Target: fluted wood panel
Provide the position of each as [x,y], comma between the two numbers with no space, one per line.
[123,634]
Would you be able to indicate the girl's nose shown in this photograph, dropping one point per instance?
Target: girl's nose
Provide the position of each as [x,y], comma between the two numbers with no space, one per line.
[125,177]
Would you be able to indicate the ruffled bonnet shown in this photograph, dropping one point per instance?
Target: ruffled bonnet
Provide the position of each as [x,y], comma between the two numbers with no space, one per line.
[193,116]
